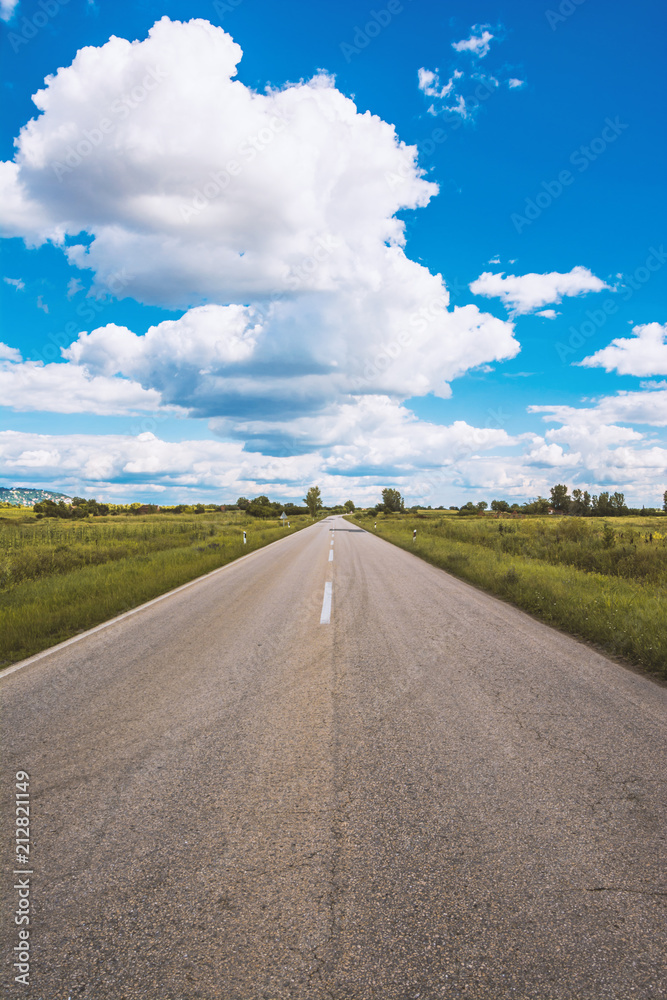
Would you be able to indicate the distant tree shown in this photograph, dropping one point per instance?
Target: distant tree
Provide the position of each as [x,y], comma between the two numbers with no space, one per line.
[392,501]
[501,506]
[467,508]
[243,503]
[453,508]
[313,500]
[600,506]
[540,505]
[618,505]
[664,501]
[94,508]
[48,508]
[560,498]
[291,509]
[481,506]
[349,506]
[581,502]
[261,506]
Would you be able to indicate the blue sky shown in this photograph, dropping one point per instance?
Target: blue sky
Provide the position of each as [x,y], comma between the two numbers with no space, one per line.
[249,247]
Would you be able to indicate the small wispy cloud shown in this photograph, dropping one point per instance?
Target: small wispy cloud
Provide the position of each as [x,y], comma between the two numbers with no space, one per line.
[41,304]
[73,287]
[17,283]
[448,97]
[429,83]
[477,44]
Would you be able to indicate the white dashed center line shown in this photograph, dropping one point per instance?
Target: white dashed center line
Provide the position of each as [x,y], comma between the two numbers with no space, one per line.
[325,617]
[330,555]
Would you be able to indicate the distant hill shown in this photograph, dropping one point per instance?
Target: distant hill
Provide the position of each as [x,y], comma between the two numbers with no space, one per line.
[26,496]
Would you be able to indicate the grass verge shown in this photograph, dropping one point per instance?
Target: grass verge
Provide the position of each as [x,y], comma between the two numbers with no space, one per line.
[624,616]
[62,578]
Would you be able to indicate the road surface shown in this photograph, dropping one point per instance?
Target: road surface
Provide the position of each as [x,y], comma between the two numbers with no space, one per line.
[251,790]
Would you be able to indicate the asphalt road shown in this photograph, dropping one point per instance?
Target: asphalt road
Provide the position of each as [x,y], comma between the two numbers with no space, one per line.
[429,796]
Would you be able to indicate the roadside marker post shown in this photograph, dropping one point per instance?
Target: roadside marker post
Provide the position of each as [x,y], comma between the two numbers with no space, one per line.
[414,535]
[244,538]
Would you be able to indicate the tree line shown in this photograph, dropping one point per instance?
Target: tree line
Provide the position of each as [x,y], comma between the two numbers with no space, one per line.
[580,503]
[80,507]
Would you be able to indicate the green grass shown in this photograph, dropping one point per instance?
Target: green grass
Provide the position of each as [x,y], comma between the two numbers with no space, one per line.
[602,580]
[60,577]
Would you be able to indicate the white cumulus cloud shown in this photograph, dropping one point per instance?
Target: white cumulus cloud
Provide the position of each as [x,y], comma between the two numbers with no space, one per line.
[235,360]
[645,353]
[268,216]
[62,388]
[201,188]
[640,407]
[525,293]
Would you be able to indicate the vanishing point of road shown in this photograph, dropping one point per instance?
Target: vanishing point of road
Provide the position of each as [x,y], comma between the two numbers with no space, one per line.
[330,771]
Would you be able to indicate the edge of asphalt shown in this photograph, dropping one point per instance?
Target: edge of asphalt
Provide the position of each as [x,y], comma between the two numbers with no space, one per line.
[633,668]
[6,671]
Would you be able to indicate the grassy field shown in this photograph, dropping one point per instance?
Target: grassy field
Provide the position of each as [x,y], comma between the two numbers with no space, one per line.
[604,580]
[60,577]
